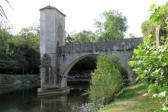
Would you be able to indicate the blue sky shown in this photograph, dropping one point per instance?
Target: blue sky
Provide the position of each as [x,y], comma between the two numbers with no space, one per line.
[81,14]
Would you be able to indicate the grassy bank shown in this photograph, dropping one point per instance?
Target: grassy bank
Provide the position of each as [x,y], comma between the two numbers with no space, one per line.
[12,83]
[133,100]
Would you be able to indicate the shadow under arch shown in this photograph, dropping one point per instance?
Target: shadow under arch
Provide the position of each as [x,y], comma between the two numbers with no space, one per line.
[67,70]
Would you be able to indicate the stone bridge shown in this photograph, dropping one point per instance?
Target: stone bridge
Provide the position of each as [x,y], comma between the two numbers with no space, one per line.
[70,55]
[57,59]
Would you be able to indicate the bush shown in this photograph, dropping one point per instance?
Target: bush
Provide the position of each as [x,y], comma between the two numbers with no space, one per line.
[151,61]
[106,81]
[122,70]
[151,64]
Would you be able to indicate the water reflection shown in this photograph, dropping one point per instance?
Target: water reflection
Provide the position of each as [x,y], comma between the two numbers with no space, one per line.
[21,102]
[54,104]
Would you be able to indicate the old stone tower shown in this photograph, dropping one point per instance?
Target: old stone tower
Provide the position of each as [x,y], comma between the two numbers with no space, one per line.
[52,33]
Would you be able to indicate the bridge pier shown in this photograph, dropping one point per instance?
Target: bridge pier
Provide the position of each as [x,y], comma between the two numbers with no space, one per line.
[52,33]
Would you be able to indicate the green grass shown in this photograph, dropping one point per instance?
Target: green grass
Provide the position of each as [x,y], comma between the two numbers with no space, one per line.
[133,100]
[27,82]
[7,80]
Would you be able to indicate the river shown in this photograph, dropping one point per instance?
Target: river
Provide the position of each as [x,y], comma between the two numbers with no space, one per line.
[27,101]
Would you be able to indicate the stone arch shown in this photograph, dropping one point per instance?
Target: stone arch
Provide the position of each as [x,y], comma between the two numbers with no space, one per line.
[60,35]
[76,60]
[69,67]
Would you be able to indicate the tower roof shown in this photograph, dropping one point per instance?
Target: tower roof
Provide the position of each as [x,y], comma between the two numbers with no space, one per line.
[51,7]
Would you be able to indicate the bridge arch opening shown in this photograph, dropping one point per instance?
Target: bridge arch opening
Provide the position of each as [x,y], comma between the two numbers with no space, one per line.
[60,35]
[79,71]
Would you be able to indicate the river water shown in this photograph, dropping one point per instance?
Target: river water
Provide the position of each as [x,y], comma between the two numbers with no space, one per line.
[27,101]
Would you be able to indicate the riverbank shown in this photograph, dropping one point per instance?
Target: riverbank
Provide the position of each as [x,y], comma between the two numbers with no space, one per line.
[133,99]
[11,83]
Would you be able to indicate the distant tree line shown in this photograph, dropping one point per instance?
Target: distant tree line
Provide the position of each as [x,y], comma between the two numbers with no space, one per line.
[19,54]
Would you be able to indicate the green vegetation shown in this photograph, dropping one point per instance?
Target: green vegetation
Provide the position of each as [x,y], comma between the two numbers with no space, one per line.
[133,99]
[30,81]
[22,81]
[122,70]
[7,80]
[151,65]
[151,61]
[106,81]
[113,27]
[19,54]
[80,38]
[157,18]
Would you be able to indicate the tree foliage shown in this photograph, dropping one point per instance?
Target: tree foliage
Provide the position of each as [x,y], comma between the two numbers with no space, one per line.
[80,38]
[158,17]
[150,60]
[106,81]
[151,64]
[19,53]
[113,27]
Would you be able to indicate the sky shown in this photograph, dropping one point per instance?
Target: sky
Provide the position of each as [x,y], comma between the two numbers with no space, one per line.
[80,14]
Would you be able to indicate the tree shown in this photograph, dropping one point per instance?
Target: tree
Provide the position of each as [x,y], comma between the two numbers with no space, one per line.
[149,27]
[113,27]
[106,81]
[131,36]
[20,53]
[157,19]
[81,37]
[28,36]
[150,60]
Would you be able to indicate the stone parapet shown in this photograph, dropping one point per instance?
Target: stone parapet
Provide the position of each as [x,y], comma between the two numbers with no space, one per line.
[116,45]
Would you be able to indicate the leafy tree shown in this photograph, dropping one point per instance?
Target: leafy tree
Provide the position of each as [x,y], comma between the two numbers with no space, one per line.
[113,27]
[106,81]
[157,18]
[69,40]
[28,36]
[131,36]
[149,27]
[150,61]
[81,37]
[19,53]
[4,38]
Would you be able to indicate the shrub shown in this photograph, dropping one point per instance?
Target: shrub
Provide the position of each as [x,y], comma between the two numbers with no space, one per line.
[106,81]
[122,70]
[151,61]
[151,64]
